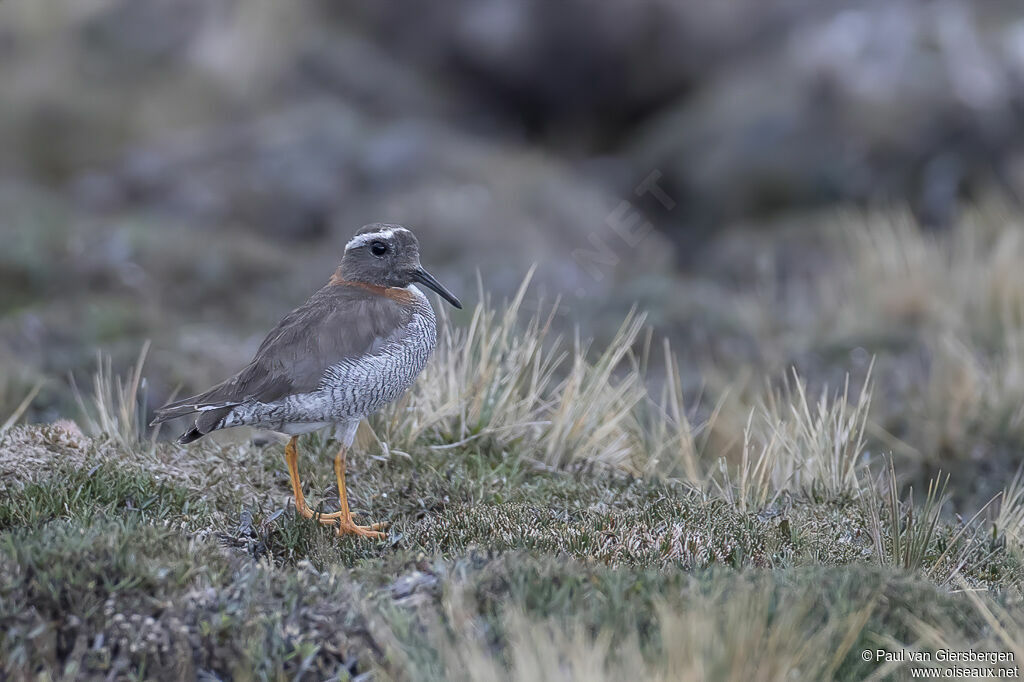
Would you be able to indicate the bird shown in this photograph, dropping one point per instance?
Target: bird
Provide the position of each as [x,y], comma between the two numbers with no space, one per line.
[356,345]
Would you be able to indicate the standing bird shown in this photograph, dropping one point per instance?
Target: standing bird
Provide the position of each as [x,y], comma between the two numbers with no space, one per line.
[353,347]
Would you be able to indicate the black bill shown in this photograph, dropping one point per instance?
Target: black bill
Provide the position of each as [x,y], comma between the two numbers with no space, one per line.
[426,279]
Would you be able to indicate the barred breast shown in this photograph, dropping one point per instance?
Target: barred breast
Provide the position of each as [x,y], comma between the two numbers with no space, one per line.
[359,387]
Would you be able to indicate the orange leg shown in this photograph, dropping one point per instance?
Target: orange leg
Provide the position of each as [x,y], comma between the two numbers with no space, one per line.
[346,526]
[343,518]
[291,455]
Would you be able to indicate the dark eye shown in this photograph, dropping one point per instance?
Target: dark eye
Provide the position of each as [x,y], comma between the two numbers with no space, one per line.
[378,248]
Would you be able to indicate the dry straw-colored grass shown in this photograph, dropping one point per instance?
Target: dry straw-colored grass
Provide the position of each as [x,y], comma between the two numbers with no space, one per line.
[18,412]
[514,384]
[971,390]
[956,299]
[506,382]
[794,444]
[1004,636]
[734,632]
[893,275]
[116,408]
[1009,520]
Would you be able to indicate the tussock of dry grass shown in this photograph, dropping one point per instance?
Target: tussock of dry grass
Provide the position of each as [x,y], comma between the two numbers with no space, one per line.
[793,444]
[948,311]
[911,536]
[503,382]
[967,281]
[1010,517]
[754,627]
[737,637]
[507,383]
[20,410]
[116,409]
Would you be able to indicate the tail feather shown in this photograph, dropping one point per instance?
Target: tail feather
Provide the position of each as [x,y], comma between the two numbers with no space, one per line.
[209,418]
[190,406]
[207,422]
[174,410]
[252,383]
[190,436]
[208,401]
[165,414]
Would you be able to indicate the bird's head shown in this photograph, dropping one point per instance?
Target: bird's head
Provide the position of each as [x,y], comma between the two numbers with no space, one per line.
[388,256]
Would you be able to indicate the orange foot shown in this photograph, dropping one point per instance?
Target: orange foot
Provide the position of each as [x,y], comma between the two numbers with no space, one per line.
[340,516]
[372,531]
[345,522]
[324,519]
[345,525]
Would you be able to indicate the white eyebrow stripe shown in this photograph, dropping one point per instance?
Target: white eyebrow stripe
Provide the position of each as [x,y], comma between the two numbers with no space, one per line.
[364,239]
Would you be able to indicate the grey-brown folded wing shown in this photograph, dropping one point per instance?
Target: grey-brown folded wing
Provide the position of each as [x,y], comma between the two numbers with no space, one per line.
[337,323]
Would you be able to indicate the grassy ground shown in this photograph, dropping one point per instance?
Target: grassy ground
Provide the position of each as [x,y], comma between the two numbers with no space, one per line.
[177,563]
[560,511]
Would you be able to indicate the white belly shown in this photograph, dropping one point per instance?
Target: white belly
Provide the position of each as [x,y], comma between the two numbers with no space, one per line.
[302,428]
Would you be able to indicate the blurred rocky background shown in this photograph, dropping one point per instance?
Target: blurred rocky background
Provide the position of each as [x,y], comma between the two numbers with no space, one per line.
[188,170]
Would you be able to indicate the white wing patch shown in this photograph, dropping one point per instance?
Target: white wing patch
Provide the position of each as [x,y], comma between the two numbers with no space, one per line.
[211,407]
